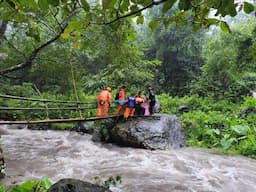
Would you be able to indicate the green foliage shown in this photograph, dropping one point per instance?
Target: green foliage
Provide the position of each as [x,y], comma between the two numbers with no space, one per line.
[36,186]
[63,126]
[227,72]
[111,181]
[248,7]
[212,123]
[179,52]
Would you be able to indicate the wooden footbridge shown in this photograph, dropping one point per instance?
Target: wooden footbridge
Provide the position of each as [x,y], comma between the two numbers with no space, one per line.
[80,108]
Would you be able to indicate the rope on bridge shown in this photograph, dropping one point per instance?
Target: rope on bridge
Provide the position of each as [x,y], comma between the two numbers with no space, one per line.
[75,105]
[41,100]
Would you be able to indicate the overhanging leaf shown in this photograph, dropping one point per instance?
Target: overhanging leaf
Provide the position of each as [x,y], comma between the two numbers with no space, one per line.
[106,3]
[213,21]
[168,5]
[140,20]
[65,35]
[153,24]
[144,2]
[248,7]
[43,4]
[224,26]
[76,45]
[240,129]
[85,5]
[54,3]
[184,5]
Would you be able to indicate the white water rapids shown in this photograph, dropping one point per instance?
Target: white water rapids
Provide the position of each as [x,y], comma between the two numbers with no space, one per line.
[31,154]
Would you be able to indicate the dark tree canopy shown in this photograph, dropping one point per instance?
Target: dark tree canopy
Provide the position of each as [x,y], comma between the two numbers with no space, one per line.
[71,18]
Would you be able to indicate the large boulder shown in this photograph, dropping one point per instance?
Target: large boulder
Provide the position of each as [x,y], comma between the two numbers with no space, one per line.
[74,185]
[153,132]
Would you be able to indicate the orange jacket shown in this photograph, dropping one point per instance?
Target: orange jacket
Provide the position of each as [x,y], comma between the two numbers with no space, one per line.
[105,95]
[122,94]
[139,99]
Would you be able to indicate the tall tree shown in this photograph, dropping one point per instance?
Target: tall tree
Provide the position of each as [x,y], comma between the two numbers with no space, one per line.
[105,12]
[179,49]
[229,63]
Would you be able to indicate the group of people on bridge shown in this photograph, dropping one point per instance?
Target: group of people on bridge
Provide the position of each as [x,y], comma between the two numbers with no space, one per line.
[134,105]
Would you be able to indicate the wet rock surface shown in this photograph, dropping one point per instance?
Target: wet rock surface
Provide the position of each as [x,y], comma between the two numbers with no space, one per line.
[154,132]
[75,185]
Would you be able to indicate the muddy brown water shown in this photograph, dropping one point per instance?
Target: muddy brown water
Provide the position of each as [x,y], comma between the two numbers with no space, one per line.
[34,154]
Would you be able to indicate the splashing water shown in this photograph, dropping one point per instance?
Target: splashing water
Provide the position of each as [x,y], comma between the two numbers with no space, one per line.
[34,154]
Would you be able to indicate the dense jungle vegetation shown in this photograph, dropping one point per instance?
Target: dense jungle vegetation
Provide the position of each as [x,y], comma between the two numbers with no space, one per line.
[59,49]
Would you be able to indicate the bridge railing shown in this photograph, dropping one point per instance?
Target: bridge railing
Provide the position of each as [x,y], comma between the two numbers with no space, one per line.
[36,109]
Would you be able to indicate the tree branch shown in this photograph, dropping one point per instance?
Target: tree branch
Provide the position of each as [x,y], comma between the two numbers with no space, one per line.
[153,3]
[34,53]
[3,27]
[15,48]
[32,56]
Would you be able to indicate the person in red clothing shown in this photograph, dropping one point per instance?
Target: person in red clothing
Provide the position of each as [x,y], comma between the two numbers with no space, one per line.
[121,101]
[104,99]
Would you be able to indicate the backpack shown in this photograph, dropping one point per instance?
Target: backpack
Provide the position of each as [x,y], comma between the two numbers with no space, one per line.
[117,96]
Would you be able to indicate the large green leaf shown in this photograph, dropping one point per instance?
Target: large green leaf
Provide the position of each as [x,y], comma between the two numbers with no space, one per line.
[11,3]
[85,5]
[227,7]
[140,20]
[144,2]
[248,7]
[125,5]
[153,24]
[105,4]
[224,26]
[108,4]
[167,5]
[45,182]
[226,143]
[54,3]
[75,25]
[240,129]
[213,21]
[43,4]
[184,5]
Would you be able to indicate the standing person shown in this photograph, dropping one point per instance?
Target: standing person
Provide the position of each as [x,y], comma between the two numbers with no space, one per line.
[152,99]
[121,101]
[139,100]
[104,99]
[145,105]
[130,108]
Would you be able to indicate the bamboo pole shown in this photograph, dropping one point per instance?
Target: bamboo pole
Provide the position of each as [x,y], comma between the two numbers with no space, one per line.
[73,120]
[43,100]
[75,90]
[57,120]
[42,108]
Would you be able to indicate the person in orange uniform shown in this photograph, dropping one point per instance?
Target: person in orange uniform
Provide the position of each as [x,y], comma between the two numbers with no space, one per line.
[121,101]
[104,99]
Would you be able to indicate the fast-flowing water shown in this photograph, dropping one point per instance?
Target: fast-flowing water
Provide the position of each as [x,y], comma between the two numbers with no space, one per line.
[35,154]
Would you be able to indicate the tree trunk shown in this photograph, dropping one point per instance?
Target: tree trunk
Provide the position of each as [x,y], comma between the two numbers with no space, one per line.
[3,26]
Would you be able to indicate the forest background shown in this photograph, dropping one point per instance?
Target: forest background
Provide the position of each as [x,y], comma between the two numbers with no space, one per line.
[62,49]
